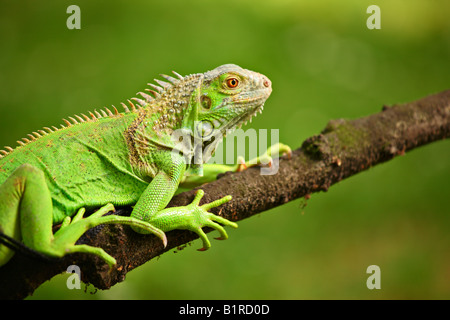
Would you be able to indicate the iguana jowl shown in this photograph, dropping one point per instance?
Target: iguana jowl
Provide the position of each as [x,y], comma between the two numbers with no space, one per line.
[112,159]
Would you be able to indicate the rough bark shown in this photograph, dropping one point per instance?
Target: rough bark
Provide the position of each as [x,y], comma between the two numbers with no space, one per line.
[342,149]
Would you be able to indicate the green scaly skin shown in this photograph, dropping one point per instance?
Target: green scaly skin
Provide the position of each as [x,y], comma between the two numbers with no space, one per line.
[112,159]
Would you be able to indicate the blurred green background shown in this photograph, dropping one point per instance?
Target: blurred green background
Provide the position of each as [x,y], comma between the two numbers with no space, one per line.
[324,63]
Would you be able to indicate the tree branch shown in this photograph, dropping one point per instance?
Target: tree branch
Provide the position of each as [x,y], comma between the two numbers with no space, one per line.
[344,148]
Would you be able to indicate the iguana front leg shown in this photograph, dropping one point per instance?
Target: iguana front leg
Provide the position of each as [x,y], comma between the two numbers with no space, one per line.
[211,171]
[151,204]
[266,158]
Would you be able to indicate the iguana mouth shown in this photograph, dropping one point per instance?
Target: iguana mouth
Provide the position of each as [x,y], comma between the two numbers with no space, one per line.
[237,123]
[214,139]
[253,104]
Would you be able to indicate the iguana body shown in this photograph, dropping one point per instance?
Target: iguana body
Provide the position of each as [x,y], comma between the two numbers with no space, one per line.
[131,158]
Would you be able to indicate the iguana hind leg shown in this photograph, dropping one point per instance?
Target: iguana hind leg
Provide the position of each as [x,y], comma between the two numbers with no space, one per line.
[26,213]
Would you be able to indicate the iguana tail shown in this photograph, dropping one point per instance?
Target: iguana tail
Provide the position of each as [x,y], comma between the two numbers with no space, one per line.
[20,248]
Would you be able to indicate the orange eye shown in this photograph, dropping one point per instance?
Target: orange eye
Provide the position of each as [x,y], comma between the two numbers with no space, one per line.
[232,83]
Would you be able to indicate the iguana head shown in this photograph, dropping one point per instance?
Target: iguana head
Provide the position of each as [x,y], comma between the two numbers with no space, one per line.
[206,105]
[224,99]
[229,96]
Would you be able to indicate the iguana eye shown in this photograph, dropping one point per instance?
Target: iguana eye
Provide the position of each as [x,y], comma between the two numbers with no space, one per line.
[232,83]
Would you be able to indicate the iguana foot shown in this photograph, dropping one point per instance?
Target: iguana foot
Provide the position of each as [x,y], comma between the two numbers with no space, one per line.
[203,218]
[265,159]
[194,217]
[72,229]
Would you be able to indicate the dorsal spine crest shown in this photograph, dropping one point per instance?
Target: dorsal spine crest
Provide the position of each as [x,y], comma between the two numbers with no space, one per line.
[162,93]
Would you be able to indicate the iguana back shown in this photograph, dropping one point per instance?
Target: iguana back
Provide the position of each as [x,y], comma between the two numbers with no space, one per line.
[82,163]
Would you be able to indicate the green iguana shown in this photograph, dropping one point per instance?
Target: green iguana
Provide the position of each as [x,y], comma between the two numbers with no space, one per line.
[137,157]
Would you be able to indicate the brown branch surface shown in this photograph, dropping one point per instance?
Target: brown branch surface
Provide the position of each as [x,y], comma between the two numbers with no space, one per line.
[344,148]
